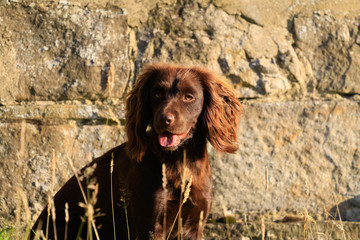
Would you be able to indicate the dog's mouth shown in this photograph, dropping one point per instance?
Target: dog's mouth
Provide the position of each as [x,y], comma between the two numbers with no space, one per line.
[170,140]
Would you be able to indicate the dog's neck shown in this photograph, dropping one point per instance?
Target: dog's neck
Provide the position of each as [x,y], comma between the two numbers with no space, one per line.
[191,155]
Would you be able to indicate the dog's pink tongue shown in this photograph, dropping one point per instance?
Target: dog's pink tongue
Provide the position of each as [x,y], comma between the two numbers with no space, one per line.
[170,140]
[166,140]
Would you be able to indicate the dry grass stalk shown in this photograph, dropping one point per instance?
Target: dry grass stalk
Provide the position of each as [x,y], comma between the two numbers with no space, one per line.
[263,230]
[112,192]
[77,179]
[266,178]
[53,215]
[50,207]
[226,218]
[48,217]
[331,222]
[185,173]
[126,217]
[83,194]
[201,219]
[331,219]
[187,191]
[338,212]
[52,170]
[327,217]
[184,177]
[111,116]
[51,193]
[186,196]
[18,217]
[38,232]
[308,229]
[90,211]
[88,157]
[22,139]
[164,183]
[17,179]
[21,203]
[67,218]
[110,79]
[247,226]
[164,178]
[25,205]
[180,232]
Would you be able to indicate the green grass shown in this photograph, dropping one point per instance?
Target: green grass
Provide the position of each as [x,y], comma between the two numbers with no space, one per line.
[10,233]
[6,233]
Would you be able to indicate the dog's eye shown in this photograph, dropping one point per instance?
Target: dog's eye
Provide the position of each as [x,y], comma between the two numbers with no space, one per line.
[188,98]
[158,95]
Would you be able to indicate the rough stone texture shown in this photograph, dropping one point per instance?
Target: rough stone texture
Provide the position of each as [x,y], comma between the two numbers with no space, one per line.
[319,38]
[279,12]
[223,43]
[62,51]
[293,156]
[66,65]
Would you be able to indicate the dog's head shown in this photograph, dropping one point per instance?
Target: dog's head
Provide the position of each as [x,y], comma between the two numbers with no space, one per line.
[173,101]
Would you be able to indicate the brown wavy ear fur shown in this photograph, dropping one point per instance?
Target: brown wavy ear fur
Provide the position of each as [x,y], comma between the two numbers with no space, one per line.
[138,113]
[221,113]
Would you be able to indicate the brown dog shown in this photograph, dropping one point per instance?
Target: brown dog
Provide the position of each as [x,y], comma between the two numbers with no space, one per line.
[170,111]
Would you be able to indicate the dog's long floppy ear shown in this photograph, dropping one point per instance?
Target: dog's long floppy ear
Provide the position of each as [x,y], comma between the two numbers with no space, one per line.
[221,113]
[138,114]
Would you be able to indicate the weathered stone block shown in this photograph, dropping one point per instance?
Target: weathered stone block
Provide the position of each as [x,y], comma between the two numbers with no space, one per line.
[293,156]
[62,51]
[228,44]
[330,46]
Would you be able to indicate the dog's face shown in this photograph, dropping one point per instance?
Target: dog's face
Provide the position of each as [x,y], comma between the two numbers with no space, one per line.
[173,100]
[176,99]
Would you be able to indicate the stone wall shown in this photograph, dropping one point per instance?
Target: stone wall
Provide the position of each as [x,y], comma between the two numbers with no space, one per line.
[66,65]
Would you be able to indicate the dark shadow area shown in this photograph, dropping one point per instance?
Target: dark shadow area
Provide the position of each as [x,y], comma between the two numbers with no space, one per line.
[348,210]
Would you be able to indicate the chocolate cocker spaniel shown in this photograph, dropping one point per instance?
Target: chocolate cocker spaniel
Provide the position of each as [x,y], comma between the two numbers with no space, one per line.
[162,173]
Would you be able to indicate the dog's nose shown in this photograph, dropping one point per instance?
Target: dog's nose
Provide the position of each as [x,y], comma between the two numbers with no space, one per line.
[168,118]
